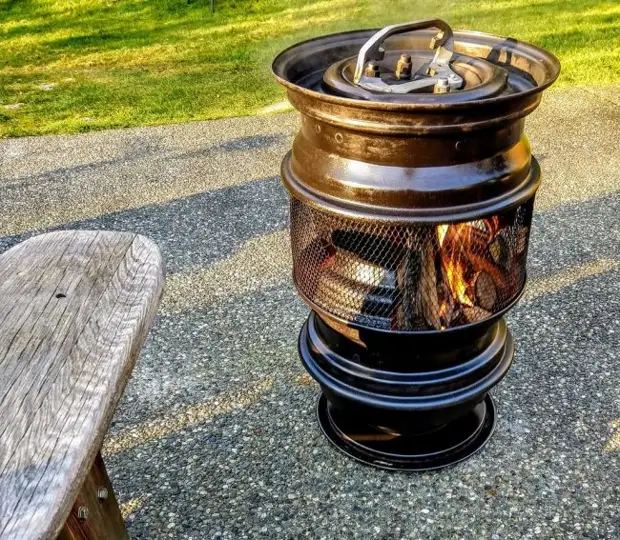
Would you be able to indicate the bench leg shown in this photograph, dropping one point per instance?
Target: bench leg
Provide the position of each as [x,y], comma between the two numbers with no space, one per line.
[95,514]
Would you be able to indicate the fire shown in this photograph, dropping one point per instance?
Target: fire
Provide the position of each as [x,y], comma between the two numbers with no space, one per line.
[463,273]
[455,262]
[468,286]
[443,314]
[442,230]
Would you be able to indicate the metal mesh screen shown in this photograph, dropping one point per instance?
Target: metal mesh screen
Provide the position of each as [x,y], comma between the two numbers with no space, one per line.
[409,277]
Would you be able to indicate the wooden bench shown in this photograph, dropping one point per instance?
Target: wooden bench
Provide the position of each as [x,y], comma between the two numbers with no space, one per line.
[75,308]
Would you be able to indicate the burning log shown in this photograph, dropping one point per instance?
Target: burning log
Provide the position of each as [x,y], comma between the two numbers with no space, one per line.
[488,226]
[448,311]
[407,277]
[485,291]
[470,256]
[427,295]
[474,257]
[500,251]
[500,278]
[475,314]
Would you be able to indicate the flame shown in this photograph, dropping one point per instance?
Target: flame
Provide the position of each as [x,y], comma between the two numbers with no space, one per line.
[455,262]
[443,314]
[442,230]
[465,263]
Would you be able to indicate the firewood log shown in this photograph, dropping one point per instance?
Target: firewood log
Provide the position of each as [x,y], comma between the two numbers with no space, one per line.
[499,249]
[475,314]
[427,296]
[485,291]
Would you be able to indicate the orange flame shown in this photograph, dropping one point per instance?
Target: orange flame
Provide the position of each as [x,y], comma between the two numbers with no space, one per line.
[455,261]
[462,251]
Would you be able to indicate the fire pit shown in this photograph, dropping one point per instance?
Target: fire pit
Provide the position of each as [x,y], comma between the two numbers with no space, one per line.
[412,187]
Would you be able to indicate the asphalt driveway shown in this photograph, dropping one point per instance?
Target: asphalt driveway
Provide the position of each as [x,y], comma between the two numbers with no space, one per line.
[216,436]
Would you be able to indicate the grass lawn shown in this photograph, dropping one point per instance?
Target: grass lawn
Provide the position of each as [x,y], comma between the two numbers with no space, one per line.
[77,65]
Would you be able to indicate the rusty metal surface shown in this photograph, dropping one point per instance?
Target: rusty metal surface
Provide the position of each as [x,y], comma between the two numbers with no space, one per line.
[407,178]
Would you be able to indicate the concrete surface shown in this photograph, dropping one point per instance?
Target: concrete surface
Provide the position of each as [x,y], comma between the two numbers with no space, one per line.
[216,436]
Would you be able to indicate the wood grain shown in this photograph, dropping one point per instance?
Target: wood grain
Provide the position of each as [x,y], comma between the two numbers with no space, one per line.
[75,308]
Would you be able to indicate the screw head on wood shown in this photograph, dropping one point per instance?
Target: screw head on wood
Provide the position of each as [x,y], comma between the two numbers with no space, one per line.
[102,493]
[82,513]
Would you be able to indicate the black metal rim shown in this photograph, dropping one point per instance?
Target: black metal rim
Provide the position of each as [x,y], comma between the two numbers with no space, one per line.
[283,62]
[447,451]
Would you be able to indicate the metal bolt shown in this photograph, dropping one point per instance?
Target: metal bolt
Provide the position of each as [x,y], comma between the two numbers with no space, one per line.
[82,513]
[102,493]
[371,70]
[442,86]
[456,81]
[434,41]
[403,67]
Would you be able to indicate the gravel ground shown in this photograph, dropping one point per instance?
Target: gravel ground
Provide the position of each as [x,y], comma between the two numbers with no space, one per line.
[216,436]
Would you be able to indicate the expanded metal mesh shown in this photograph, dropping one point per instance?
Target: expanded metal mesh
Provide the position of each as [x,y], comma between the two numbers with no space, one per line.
[409,277]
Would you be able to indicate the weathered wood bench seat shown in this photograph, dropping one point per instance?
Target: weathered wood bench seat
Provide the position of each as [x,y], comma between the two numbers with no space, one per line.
[75,308]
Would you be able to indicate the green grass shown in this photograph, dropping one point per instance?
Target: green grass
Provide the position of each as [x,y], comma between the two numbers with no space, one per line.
[115,63]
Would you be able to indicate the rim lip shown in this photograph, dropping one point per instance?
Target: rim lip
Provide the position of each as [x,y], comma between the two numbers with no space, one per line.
[409,463]
[429,378]
[337,382]
[551,59]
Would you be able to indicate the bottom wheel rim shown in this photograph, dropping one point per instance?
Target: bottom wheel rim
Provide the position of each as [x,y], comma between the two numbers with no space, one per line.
[447,446]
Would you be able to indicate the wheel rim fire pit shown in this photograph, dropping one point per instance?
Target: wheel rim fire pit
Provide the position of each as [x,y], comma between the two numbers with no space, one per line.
[412,187]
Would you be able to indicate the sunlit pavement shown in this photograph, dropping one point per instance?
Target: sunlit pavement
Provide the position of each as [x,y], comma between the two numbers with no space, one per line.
[216,436]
